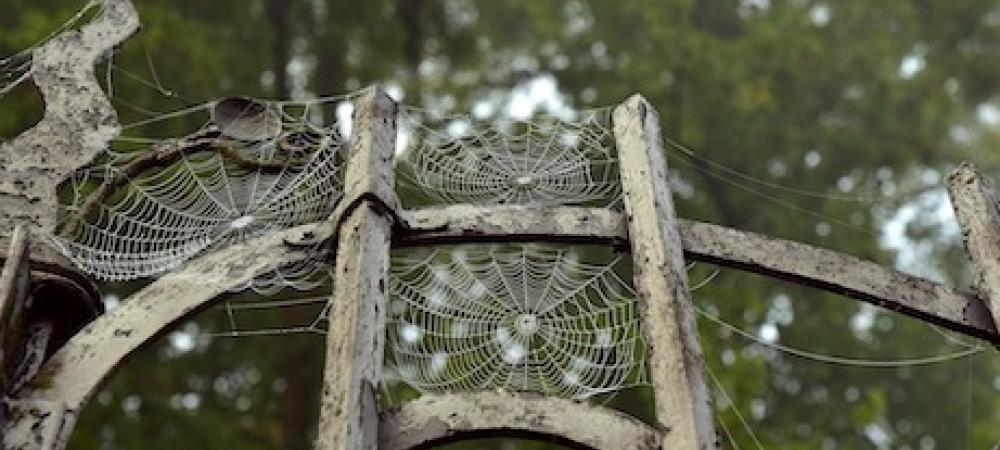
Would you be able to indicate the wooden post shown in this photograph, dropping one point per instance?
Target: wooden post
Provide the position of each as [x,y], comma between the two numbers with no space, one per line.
[349,412]
[14,281]
[978,214]
[669,322]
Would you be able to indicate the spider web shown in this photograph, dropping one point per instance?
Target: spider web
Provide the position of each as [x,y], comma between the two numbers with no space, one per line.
[548,161]
[519,317]
[144,211]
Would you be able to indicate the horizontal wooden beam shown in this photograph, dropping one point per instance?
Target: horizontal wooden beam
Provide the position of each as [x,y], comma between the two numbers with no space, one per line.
[438,419]
[779,258]
[470,223]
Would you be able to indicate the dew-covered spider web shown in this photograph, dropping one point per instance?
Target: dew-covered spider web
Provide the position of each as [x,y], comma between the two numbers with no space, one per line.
[252,168]
[561,321]
[547,161]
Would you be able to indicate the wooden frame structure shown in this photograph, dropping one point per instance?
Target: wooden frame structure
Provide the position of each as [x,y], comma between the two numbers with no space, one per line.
[39,411]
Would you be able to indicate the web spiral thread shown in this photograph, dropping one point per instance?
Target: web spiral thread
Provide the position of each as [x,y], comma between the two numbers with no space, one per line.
[544,162]
[519,317]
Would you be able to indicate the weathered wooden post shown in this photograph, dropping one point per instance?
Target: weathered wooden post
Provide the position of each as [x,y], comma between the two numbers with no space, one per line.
[14,281]
[349,410]
[978,213]
[669,321]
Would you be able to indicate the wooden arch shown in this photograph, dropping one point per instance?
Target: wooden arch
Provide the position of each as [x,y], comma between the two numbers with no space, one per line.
[437,419]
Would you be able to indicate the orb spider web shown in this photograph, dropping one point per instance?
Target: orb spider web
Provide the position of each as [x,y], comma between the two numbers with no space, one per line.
[547,162]
[254,168]
[518,317]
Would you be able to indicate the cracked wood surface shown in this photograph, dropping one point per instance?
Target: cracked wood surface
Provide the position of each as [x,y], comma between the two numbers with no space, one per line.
[975,203]
[79,122]
[669,322]
[355,340]
[437,419]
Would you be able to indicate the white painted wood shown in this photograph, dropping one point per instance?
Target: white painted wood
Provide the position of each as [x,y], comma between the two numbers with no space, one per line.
[76,369]
[355,340]
[675,363]
[978,212]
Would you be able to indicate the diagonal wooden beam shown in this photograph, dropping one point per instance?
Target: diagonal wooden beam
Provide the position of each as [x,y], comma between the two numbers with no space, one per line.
[840,274]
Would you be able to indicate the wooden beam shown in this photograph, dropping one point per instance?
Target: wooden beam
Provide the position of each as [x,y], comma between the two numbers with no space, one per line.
[791,261]
[978,212]
[355,341]
[471,223]
[14,281]
[840,274]
[437,419]
[676,367]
